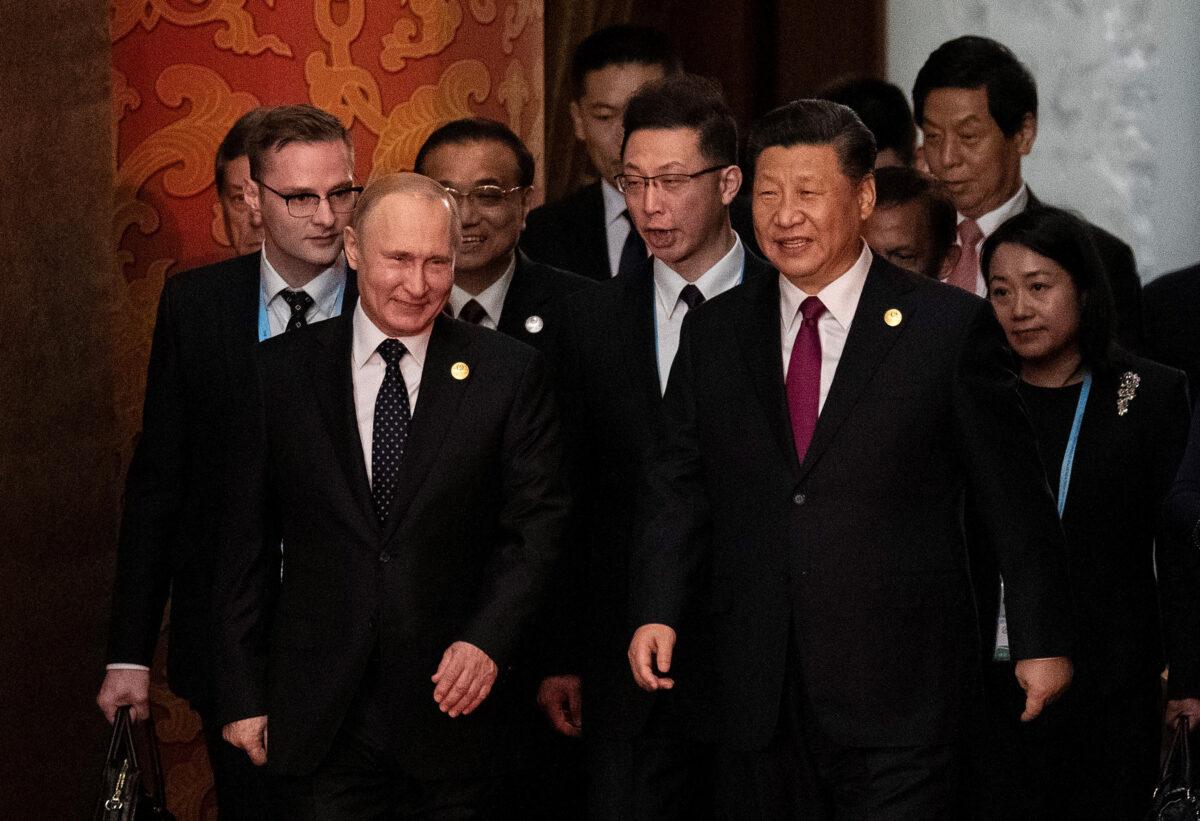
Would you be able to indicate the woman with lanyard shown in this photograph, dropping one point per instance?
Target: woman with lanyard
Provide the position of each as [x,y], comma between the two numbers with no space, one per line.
[1111,428]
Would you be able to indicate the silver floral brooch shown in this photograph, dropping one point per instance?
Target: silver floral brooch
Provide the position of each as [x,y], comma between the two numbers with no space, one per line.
[1126,391]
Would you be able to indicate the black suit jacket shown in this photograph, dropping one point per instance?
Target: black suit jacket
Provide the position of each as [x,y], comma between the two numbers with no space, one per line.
[570,233]
[537,291]
[1116,542]
[855,560]
[204,340]
[1172,309]
[614,410]
[464,555]
[1123,278]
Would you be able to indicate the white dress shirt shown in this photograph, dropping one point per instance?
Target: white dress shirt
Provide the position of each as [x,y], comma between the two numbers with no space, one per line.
[669,309]
[616,227]
[491,298]
[367,370]
[324,289]
[992,220]
[840,298]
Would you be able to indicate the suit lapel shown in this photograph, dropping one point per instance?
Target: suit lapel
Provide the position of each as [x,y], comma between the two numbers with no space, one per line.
[437,406]
[868,342]
[521,301]
[639,340]
[759,338]
[244,296]
[596,230]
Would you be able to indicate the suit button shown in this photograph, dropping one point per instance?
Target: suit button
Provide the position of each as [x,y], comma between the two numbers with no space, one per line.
[385,557]
[799,499]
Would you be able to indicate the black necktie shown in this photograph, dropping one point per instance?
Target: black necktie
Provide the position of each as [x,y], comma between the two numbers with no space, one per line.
[390,429]
[299,302]
[691,296]
[633,252]
[472,312]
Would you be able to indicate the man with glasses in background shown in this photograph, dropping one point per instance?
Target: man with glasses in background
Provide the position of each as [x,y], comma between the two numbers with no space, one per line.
[209,321]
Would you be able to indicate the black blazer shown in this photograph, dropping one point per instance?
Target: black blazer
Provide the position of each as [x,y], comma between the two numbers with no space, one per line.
[464,556]
[204,339]
[1172,308]
[1123,278]
[570,233]
[1124,466]
[613,409]
[533,310]
[855,560]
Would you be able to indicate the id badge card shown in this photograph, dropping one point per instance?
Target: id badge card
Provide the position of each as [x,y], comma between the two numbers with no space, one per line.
[1002,652]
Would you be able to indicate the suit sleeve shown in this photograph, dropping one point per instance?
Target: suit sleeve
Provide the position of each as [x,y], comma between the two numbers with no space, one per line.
[1012,500]
[247,575]
[154,492]
[532,518]
[1176,558]
[1181,511]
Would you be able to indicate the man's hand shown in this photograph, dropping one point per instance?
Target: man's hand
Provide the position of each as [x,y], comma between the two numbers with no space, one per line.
[1043,681]
[652,643]
[1189,707]
[250,736]
[120,687]
[463,679]
[560,698]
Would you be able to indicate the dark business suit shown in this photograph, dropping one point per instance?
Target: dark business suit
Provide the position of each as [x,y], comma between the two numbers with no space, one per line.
[204,339]
[614,404]
[1172,312]
[570,233]
[537,292]
[839,586]
[364,611]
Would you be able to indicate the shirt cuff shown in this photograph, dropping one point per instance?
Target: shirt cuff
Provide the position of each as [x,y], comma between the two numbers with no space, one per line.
[121,666]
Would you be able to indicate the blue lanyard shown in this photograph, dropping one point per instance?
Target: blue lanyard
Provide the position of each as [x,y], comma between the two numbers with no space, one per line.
[264,323]
[1064,474]
[654,312]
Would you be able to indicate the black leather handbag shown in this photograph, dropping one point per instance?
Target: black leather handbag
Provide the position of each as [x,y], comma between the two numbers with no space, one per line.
[1174,799]
[129,791]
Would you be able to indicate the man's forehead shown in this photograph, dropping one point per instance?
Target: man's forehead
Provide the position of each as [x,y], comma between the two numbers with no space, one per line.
[483,158]
[615,83]
[307,159]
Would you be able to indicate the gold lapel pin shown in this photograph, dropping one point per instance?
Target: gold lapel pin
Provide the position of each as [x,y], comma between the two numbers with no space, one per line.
[460,371]
[892,317]
[534,324]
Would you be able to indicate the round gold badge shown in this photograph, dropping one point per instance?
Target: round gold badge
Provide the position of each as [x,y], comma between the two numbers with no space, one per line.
[460,370]
[893,317]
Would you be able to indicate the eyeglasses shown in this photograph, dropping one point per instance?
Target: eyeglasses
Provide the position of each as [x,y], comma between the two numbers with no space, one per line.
[483,196]
[668,183]
[341,200]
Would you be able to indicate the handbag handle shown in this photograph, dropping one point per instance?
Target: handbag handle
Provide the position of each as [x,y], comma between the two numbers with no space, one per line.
[1180,743]
[123,731]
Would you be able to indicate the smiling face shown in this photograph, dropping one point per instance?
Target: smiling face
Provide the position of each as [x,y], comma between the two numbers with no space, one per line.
[597,114]
[301,247]
[684,222]
[489,230]
[978,167]
[1036,302]
[404,255]
[808,215]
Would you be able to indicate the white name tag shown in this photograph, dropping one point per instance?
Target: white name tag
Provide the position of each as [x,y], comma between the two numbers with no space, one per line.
[1002,652]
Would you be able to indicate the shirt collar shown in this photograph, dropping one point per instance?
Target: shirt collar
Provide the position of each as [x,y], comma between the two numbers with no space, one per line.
[491,298]
[367,337]
[993,219]
[323,288]
[839,297]
[614,202]
[716,280]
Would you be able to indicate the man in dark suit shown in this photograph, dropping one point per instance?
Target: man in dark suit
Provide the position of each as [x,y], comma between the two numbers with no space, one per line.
[489,172]
[1173,322]
[649,756]
[823,427]
[977,105]
[411,468]
[209,321]
[913,224]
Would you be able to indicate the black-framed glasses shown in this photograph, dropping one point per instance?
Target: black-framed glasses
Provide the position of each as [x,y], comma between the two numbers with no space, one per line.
[483,196]
[341,200]
[636,183]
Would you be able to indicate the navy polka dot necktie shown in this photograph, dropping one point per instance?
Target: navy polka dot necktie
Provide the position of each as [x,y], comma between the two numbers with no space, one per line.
[299,302]
[390,431]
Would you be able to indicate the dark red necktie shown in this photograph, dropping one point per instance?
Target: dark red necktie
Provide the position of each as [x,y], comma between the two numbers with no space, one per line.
[804,376]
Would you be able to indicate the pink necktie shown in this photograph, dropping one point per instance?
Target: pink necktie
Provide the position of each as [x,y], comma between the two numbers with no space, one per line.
[966,273]
[804,376]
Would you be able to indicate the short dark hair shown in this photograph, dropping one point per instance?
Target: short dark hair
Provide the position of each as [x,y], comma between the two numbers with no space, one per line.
[234,144]
[619,45]
[686,101]
[900,184]
[286,124]
[477,130]
[1066,239]
[816,122]
[883,108]
[980,62]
